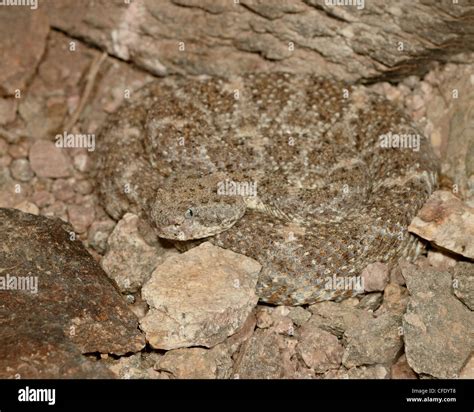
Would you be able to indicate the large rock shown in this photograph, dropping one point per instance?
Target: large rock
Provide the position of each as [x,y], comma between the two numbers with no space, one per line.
[373,341]
[447,222]
[57,302]
[199,298]
[320,350]
[262,356]
[463,283]
[336,318]
[438,328]
[221,36]
[20,53]
[130,260]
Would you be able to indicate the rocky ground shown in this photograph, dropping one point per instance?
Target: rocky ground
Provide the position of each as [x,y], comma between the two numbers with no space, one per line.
[167,314]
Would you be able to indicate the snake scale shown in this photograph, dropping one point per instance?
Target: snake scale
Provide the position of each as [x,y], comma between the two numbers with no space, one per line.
[288,169]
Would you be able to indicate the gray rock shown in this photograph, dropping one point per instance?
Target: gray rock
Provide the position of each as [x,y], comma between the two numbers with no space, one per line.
[336,318]
[311,36]
[21,170]
[199,298]
[463,283]
[361,372]
[371,301]
[99,232]
[64,306]
[467,371]
[130,260]
[298,315]
[438,328]
[374,341]
[261,356]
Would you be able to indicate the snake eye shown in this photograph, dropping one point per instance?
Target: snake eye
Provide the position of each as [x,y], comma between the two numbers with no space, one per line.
[189,214]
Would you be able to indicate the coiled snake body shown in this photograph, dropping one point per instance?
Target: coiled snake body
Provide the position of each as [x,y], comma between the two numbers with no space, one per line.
[291,170]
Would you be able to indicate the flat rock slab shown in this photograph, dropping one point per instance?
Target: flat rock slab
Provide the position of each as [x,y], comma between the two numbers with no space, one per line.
[56,300]
[438,328]
[199,298]
[447,222]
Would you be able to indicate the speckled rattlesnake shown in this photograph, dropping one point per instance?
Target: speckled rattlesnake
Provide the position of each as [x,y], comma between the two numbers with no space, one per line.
[329,200]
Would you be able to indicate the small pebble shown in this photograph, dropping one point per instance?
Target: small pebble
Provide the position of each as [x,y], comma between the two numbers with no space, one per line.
[21,170]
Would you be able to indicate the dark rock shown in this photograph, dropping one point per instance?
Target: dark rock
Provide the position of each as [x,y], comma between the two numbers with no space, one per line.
[66,305]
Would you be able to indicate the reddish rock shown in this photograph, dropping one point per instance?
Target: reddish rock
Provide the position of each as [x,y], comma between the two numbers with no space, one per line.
[401,369]
[320,350]
[80,217]
[47,160]
[447,222]
[375,277]
[23,35]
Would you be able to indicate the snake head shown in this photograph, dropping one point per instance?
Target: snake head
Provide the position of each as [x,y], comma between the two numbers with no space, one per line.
[190,208]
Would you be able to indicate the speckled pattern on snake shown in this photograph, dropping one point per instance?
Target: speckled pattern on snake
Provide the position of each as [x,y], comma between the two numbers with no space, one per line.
[288,169]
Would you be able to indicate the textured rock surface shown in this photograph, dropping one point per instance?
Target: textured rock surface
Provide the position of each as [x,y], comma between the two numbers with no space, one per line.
[75,310]
[362,372]
[371,302]
[449,113]
[48,161]
[401,369]
[336,318]
[463,285]
[375,277]
[395,300]
[196,363]
[261,356]
[136,366]
[320,350]
[21,53]
[375,341]
[130,260]
[467,371]
[249,35]
[438,328]
[199,298]
[447,222]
